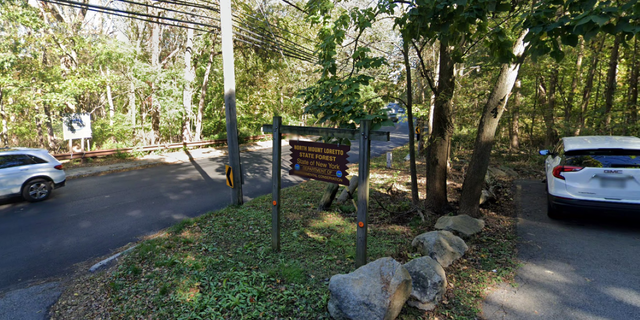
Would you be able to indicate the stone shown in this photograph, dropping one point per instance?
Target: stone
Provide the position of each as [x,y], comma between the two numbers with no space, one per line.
[443,246]
[486,196]
[497,172]
[463,224]
[429,283]
[377,290]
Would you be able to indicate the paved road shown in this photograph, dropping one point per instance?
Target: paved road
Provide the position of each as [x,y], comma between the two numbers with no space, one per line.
[578,268]
[93,216]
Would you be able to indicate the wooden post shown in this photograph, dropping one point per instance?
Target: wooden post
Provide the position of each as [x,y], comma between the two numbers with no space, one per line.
[230,100]
[363,194]
[276,178]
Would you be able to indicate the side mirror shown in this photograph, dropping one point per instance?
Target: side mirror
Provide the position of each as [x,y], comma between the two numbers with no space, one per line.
[544,152]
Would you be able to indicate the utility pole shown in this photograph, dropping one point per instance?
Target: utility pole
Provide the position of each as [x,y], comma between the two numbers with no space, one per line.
[230,100]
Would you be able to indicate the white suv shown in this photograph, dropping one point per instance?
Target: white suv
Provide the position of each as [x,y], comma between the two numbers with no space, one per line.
[32,173]
[593,174]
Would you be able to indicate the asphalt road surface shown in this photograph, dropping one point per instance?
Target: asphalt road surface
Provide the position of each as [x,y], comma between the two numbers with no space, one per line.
[576,268]
[91,217]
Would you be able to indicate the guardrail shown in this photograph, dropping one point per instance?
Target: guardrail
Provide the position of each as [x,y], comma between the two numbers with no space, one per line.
[102,153]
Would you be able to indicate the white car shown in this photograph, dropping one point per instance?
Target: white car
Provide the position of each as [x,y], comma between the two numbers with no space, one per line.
[30,173]
[598,174]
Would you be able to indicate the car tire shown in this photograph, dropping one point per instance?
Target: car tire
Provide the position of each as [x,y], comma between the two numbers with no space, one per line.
[36,190]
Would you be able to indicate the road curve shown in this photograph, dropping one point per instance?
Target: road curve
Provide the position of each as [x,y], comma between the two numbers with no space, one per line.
[91,217]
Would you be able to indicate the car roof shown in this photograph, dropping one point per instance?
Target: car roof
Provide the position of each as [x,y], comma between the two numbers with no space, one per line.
[601,142]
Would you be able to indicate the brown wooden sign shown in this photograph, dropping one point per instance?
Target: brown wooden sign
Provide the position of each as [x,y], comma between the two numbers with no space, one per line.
[319,161]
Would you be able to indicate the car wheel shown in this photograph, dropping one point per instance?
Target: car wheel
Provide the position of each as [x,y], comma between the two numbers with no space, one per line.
[36,190]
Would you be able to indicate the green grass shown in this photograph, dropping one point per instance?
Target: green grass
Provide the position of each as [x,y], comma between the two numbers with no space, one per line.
[221,265]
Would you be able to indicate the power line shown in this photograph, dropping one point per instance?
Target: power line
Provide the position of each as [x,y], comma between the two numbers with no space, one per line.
[259,40]
[293,5]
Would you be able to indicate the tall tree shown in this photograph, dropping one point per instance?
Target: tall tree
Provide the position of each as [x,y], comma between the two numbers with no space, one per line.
[611,83]
[632,97]
[493,110]
[187,91]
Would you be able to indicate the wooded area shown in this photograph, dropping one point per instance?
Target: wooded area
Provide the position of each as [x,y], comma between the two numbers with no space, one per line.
[150,72]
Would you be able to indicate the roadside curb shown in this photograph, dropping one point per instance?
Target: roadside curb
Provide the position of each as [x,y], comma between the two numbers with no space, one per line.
[106,261]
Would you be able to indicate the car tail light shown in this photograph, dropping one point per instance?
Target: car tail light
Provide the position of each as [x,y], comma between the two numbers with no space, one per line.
[558,170]
[59,167]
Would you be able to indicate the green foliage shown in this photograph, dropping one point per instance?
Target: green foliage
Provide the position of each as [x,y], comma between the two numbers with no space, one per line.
[343,100]
[549,30]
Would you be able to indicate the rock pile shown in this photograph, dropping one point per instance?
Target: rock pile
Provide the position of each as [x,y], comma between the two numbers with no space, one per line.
[379,289]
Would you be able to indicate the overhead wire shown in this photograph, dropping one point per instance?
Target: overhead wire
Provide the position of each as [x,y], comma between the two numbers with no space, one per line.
[255,34]
[259,40]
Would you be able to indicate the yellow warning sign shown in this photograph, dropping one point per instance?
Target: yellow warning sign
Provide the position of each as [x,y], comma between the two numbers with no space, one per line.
[229,174]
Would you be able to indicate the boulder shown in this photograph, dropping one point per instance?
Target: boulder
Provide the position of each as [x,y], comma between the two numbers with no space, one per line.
[463,224]
[429,283]
[443,246]
[377,290]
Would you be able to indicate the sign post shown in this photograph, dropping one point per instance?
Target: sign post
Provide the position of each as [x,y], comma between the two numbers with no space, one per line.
[76,126]
[363,194]
[325,162]
[276,180]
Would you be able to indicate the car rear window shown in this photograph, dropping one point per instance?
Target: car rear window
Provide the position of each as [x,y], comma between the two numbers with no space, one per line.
[36,159]
[603,158]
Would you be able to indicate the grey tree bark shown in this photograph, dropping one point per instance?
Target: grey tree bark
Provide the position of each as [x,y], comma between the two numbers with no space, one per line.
[514,128]
[611,83]
[577,78]
[187,91]
[4,135]
[632,100]
[203,92]
[588,87]
[415,199]
[493,110]
[438,145]
[154,44]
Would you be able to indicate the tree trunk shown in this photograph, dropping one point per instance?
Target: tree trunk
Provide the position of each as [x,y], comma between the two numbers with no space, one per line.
[514,129]
[552,104]
[4,135]
[187,93]
[38,119]
[547,114]
[112,109]
[51,139]
[588,87]
[132,104]
[203,92]
[577,77]
[415,199]
[611,84]
[493,110]
[155,64]
[632,101]
[439,142]
[328,196]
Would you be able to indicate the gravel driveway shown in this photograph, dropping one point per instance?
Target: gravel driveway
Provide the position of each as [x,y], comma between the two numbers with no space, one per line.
[577,268]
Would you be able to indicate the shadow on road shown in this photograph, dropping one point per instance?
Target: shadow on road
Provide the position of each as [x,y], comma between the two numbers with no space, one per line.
[582,267]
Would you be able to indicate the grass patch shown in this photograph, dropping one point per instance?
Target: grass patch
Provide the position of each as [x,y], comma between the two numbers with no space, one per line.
[221,265]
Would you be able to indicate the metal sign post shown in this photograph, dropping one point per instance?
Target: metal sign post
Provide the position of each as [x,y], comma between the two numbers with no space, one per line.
[276,180]
[363,194]
[365,135]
